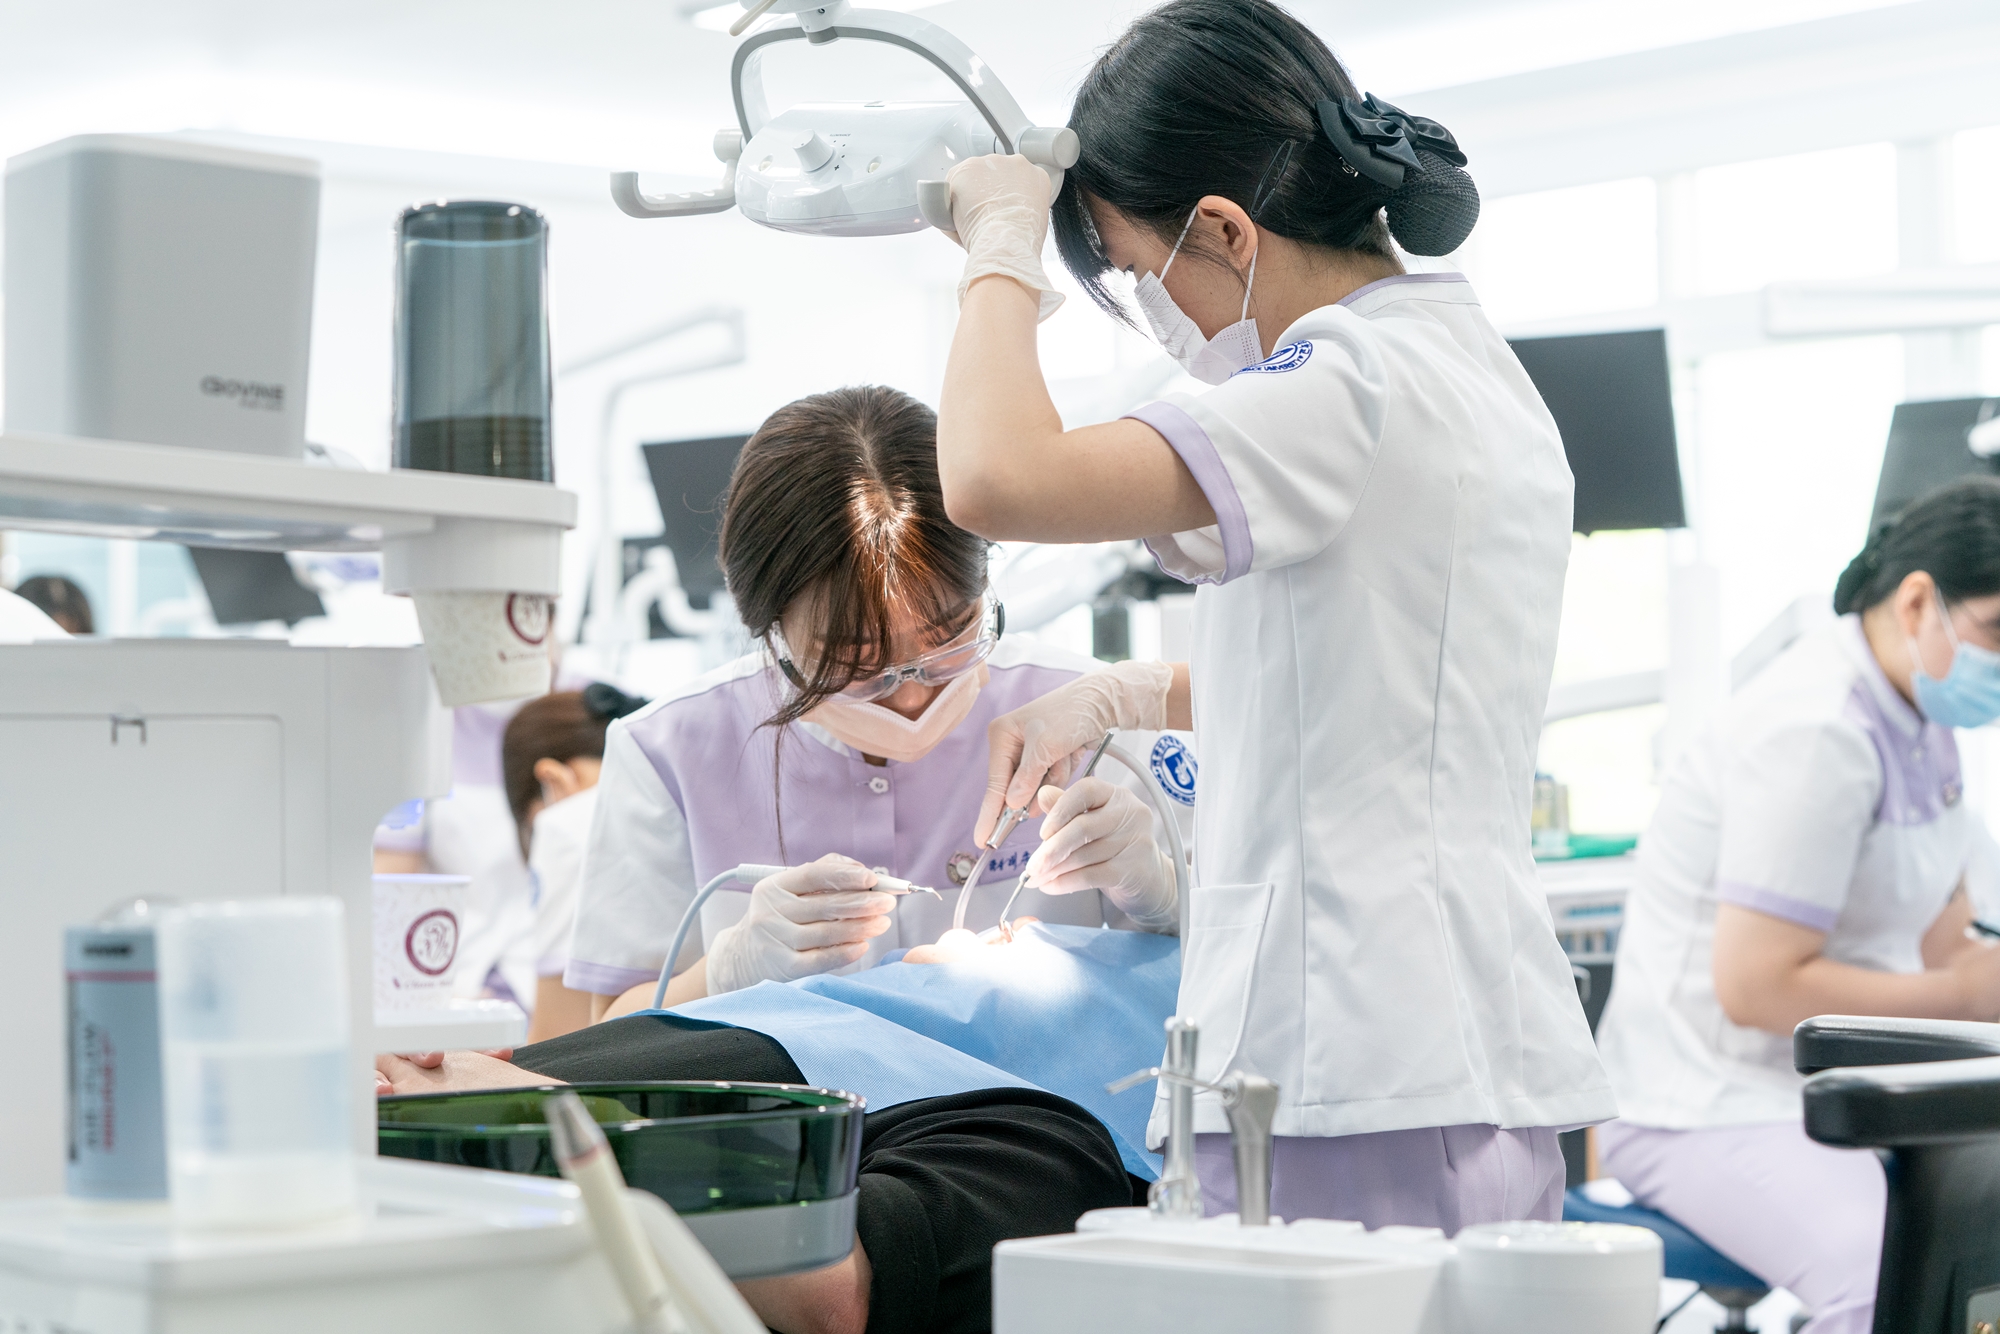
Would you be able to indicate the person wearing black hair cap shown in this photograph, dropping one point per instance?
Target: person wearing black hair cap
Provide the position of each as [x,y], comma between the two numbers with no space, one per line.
[1810,855]
[1376,506]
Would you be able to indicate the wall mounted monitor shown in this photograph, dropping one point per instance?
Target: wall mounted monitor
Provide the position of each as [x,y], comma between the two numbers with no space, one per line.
[1928,447]
[1613,402]
[689,479]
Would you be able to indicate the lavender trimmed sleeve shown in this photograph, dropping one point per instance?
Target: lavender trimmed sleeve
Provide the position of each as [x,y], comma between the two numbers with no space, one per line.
[1182,554]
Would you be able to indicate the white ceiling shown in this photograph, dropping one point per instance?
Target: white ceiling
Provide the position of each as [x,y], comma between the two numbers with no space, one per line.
[632,83]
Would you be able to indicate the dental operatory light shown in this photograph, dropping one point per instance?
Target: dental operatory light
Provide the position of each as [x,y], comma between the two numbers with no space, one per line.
[864,168]
[719,18]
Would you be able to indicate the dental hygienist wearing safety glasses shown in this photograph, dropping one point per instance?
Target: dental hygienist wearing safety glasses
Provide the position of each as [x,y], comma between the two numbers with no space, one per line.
[1375,504]
[852,743]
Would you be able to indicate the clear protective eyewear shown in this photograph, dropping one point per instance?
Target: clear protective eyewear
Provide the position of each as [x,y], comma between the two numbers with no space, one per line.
[967,650]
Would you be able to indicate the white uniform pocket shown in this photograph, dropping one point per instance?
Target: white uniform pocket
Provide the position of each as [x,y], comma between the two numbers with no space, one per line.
[1219,966]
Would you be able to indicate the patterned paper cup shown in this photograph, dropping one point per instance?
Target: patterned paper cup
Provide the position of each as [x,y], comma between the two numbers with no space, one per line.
[486,646]
[417,924]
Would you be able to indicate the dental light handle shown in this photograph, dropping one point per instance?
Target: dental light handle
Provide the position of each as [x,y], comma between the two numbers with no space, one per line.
[749,873]
[1054,150]
[1251,1103]
[633,202]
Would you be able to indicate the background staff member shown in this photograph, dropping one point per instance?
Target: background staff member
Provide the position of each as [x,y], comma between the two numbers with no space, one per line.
[1377,508]
[1809,857]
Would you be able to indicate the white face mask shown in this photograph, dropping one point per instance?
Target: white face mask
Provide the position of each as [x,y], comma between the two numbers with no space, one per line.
[1210,360]
[873,729]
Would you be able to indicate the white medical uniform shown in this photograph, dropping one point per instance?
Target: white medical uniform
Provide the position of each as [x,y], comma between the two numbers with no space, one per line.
[21,621]
[1819,797]
[1373,641]
[555,860]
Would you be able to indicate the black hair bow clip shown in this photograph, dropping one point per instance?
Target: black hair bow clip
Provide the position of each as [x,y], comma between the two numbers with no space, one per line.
[609,702]
[1380,141]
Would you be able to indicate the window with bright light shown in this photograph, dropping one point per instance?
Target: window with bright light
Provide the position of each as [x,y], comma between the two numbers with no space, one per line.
[1565,252]
[1811,215]
[1976,195]
[1791,441]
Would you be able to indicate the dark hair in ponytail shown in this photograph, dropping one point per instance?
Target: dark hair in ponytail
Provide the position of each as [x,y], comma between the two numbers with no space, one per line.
[1224,97]
[1952,534]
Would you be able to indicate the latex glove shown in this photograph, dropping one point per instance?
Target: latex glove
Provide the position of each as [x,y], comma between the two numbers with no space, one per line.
[1100,836]
[1000,207]
[1041,741]
[804,920]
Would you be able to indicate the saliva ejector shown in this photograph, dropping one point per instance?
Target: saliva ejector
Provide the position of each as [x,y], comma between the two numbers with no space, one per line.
[870,168]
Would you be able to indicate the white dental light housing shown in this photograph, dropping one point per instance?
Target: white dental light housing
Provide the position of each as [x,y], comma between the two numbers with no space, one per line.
[855,168]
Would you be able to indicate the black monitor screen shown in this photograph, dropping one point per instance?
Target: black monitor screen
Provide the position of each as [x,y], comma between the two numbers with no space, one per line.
[1927,448]
[689,478]
[1614,405]
[245,587]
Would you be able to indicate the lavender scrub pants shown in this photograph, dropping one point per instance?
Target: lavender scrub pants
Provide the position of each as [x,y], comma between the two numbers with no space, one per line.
[1797,1214]
[1443,1176]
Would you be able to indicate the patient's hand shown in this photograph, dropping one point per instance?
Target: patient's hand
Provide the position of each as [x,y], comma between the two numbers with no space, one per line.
[961,944]
[451,1072]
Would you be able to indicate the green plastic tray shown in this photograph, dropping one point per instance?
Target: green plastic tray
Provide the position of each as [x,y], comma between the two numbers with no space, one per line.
[700,1147]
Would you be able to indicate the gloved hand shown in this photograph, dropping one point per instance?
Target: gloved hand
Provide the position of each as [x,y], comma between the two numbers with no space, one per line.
[1099,836]
[1000,207]
[805,920]
[1039,742]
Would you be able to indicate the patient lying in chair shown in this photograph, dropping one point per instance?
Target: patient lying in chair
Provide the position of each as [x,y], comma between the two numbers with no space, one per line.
[987,1116]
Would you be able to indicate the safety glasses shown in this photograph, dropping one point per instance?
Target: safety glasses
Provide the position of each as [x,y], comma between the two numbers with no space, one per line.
[967,649]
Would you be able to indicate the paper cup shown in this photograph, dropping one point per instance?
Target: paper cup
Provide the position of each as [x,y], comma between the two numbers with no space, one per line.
[418,921]
[486,646]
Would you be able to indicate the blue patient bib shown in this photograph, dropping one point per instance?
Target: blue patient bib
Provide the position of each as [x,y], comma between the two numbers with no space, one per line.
[1065,1009]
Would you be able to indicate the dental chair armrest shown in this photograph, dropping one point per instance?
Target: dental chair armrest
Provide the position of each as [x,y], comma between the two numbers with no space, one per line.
[1839,1041]
[1898,1106]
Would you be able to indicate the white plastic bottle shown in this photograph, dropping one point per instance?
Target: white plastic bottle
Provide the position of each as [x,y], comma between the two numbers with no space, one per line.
[254,1030]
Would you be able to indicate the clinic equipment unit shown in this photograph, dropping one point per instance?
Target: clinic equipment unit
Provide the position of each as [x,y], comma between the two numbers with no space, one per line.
[472,340]
[864,168]
[160,290]
[763,1174]
[1130,1269]
[209,769]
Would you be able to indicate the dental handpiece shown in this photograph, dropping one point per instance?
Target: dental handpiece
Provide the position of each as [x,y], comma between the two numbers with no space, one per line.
[889,884]
[1006,926]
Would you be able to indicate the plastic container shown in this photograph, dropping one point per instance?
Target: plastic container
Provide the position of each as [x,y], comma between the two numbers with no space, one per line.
[1558,1278]
[472,340]
[763,1174]
[254,1028]
[117,1113]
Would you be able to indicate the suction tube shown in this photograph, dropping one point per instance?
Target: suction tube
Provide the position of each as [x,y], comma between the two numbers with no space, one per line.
[749,873]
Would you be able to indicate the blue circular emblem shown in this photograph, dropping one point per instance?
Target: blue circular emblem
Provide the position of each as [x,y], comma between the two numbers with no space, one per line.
[1175,769]
[1287,358]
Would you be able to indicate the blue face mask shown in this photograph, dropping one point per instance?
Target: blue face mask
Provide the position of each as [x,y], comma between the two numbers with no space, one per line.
[1969,694]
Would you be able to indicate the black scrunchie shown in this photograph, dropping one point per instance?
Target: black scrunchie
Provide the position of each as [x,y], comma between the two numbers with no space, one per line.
[1434,205]
[1861,571]
[609,702]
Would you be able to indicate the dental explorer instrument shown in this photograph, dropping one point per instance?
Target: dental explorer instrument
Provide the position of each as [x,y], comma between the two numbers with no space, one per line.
[1006,927]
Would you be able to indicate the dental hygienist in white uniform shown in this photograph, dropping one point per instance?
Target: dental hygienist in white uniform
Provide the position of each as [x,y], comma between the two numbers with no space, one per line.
[1810,856]
[1376,506]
